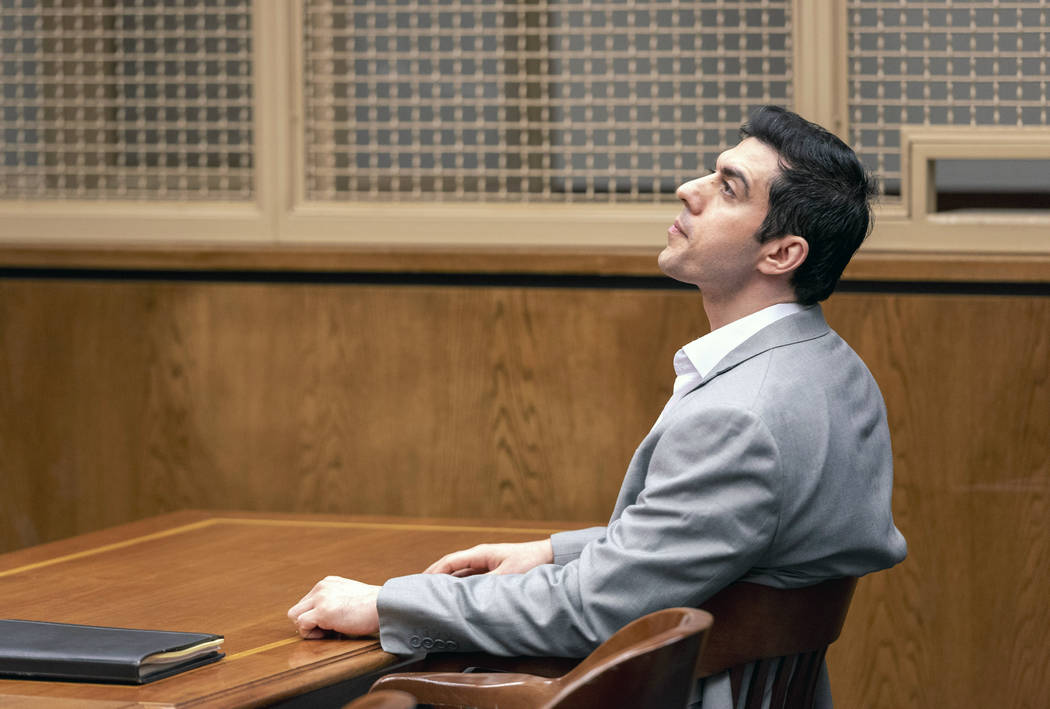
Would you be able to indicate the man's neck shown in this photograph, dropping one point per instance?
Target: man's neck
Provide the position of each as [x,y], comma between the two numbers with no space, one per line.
[722,311]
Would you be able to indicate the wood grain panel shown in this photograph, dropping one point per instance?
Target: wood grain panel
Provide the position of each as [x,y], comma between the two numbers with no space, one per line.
[123,399]
[133,398]
[963,621]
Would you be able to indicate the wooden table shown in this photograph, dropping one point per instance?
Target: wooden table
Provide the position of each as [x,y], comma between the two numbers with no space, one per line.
[234,574]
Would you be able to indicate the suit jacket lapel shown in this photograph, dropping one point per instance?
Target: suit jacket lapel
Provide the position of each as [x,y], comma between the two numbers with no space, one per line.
[807,325]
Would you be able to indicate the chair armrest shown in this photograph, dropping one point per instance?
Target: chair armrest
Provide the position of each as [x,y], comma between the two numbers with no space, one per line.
[506,690]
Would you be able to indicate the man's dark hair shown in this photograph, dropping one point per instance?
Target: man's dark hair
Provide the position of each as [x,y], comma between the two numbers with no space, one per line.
[822,193]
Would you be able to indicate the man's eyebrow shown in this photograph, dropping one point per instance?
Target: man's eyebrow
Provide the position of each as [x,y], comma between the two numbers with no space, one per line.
[731,173]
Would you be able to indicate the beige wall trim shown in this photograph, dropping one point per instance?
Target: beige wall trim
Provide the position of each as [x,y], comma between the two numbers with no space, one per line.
[492,224]
[819,35]
[294,111]
[273,52]
[74,220]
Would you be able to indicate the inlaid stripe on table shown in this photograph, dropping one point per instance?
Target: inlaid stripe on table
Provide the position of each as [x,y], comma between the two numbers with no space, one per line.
[275,522]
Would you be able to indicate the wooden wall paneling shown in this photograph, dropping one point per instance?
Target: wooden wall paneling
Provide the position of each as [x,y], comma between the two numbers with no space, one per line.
[868,664]
[479,399]
[128,398]
[73,392]
[963,621]
[522,402]
[428,400]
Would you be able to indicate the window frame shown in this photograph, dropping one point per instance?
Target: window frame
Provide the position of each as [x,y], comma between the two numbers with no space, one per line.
[281,214]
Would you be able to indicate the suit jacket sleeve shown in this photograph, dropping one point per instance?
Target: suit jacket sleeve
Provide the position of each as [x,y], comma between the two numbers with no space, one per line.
[708,510]
[567,546]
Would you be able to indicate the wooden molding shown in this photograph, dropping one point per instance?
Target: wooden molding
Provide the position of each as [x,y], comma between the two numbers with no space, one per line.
[867,265]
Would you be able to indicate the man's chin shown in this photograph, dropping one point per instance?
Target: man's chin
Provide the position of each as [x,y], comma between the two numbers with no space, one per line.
[667,263]
[673,265]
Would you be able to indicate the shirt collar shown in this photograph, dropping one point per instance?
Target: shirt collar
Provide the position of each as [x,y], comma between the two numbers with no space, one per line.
[701,355]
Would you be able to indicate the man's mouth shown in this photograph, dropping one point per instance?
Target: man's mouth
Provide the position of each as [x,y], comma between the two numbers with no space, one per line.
[676,229]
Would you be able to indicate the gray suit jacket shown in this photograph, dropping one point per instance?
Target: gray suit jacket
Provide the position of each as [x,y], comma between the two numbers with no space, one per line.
[776,469]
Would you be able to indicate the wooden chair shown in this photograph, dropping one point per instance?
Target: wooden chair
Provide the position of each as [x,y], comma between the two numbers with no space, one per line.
[387,699]
[785,632]
[650,662]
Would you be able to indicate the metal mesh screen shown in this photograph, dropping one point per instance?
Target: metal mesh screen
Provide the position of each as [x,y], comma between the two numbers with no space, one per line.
[126,99]
[943,63]
[546,101]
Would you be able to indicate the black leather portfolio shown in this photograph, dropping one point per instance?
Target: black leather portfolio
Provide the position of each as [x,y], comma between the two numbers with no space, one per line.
[33,649]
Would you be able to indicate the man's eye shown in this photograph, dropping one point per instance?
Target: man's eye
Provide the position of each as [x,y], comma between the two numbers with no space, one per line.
[724,187]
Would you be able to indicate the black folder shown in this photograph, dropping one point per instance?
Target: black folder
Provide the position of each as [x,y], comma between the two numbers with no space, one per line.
[33,649]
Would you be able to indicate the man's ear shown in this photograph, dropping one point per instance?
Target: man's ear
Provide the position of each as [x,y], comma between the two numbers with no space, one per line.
[783,255]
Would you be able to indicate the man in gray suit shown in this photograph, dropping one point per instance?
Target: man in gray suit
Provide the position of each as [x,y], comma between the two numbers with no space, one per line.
[770,463]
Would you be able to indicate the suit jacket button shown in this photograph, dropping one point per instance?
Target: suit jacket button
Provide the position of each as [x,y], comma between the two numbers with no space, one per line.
[439,644]
[451,645]
[414,641]
[428,643]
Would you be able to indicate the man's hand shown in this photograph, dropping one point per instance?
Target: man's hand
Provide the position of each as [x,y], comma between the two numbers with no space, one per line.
[495,559]
[335,603]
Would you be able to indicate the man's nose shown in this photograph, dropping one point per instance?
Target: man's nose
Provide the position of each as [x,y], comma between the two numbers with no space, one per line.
[692,194]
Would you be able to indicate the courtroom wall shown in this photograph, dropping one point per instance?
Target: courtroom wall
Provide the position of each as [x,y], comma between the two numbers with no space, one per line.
[129,394]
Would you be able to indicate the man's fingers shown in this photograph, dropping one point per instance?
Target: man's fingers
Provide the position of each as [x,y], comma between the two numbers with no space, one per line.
[470,561]
[306,624]
[299,608]
[448,563]
[307,601]
[441,566]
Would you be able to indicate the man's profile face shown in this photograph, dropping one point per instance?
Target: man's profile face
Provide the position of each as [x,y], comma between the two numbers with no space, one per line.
[712,243]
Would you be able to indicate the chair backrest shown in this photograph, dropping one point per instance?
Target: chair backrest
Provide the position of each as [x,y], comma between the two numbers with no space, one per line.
[785,632]
[649,662]
[387,699]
